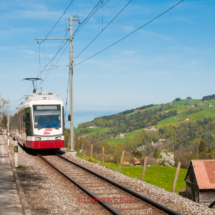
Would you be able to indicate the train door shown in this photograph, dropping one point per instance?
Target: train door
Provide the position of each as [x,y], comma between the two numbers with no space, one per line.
[27,120]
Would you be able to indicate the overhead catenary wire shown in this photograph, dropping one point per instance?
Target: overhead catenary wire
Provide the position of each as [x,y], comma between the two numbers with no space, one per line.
[130,33]
[103,29]
[57,21]
[54,66]
[93,11]
[60,48]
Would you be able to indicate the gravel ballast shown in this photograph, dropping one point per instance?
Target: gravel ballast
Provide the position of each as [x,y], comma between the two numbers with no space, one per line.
[171,200]
[47,191]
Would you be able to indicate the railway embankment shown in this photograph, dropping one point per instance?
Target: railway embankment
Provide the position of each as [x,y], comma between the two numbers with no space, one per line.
[171,200]
[48,192]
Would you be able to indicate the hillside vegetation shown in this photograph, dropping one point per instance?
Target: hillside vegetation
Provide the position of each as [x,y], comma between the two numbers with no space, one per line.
[135,120]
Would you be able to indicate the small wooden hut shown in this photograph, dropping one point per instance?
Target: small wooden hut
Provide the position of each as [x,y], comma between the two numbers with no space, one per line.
[200,181]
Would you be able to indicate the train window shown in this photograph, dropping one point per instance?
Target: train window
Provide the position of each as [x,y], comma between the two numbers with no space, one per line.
[27,114]
[47,116]
[27,121]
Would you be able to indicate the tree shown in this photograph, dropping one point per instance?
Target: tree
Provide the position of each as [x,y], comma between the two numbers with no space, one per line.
[188,97]
[156,153]
[4,121]
[177,99]
[166,158]
[202,147]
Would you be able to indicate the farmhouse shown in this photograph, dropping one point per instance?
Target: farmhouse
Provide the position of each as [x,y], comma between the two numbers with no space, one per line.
[136,162]
[200,181]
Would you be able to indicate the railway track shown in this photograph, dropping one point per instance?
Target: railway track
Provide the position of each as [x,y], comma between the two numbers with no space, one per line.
[114,197]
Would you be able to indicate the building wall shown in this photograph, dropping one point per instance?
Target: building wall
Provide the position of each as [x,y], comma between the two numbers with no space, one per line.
[192,188]
[207,196]
[193,191]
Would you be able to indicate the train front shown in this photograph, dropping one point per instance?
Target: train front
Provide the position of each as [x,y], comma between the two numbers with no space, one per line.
[48,124]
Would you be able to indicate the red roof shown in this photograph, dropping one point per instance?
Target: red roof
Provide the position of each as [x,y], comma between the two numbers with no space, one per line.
[126,162]
[205,173]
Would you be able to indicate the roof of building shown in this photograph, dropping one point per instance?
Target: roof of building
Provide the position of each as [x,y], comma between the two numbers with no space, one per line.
[205,173]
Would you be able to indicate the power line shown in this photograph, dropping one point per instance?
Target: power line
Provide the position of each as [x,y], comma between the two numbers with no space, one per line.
[55,64]
[93,11]
[57,21]
[60,48]
[130,33]
[103,29]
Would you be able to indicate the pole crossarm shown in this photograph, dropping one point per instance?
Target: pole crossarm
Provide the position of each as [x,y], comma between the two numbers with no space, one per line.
[52,39]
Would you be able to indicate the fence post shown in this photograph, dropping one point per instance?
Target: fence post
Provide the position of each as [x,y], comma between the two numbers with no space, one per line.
[121,161]
[16,153]
[91,154]
[103,149]
[82,149]
[144,168]
[68,144]
[176,177]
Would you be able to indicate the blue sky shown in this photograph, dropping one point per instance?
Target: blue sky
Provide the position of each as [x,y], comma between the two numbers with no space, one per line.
[171,57]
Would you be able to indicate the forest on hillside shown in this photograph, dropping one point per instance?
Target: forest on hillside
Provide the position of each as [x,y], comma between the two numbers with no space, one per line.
[121,123]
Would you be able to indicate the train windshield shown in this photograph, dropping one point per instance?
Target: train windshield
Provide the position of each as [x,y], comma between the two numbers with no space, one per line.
[47,116]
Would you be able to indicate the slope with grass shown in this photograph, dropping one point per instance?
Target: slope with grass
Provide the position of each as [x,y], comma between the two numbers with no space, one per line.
[180,106]
[128,136]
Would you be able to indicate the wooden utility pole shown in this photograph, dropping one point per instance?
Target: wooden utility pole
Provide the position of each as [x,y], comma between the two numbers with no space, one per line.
[144,168]
[103,154]
[121,161]
[176,177]
[91,154]
[82,149]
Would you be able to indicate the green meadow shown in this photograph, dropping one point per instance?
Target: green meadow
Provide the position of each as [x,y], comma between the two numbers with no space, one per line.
[128,136]
[159,176]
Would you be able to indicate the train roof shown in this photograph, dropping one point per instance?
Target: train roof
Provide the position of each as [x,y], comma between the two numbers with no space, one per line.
[40,96]
[37,97]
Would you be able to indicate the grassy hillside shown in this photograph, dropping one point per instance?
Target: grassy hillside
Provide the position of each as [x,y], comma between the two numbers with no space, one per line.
[180,106]
[128,136]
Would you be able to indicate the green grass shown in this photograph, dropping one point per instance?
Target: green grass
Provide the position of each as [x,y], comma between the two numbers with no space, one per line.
[160,176]
[98,130]
[20,168]
[207,112]
[150,108]
[94,131]
[128,136]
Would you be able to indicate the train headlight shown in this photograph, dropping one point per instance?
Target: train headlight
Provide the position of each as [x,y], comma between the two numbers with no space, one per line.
[57,138]
[37,138]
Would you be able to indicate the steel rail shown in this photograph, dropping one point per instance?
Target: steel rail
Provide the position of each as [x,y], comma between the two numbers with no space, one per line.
[132,192]
[97,199]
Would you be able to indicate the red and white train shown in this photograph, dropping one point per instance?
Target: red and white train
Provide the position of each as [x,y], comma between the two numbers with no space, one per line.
[38,123]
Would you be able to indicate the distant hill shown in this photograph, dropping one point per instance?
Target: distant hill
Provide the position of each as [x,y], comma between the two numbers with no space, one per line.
[130,122]
[205,98]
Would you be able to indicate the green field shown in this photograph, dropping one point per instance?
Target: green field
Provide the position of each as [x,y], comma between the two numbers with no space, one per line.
[95,131]
[128,136]
[160,176]
[207,112]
